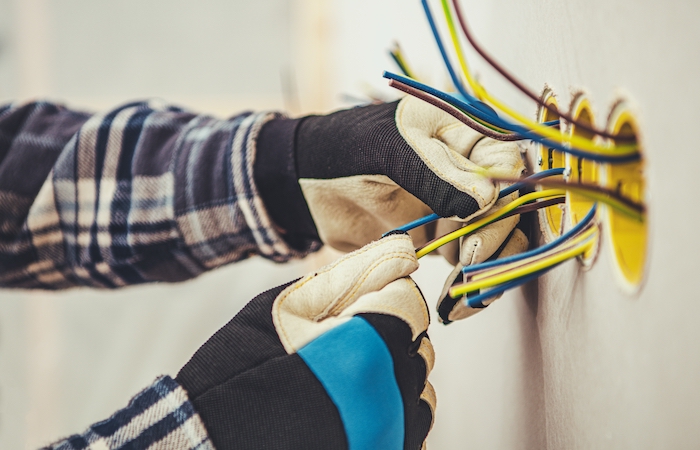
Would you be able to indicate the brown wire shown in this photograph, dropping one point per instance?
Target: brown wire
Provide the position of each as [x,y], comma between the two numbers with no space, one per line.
[519,210]
[524,89]
[552,183]
[454,112]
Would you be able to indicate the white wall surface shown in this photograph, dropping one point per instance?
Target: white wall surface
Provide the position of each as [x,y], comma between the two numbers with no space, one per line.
[572,361]
[569,362]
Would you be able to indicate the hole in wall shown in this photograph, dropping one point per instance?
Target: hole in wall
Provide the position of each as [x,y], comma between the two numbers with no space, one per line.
[547,158]
[580,170]
[628,237]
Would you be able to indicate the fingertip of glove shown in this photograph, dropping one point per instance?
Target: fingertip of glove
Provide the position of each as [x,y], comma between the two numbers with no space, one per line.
[394,233]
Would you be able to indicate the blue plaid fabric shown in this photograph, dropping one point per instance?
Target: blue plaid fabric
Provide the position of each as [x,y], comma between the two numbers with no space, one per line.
[146,192]
[159,417]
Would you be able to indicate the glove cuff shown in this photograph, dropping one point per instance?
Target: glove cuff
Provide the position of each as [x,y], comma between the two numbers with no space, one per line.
[276,178]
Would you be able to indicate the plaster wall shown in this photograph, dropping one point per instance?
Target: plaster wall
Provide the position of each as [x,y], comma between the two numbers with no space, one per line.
[573,361]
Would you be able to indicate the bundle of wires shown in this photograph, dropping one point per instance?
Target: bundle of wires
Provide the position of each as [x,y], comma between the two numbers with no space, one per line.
[472,110]
[506,273]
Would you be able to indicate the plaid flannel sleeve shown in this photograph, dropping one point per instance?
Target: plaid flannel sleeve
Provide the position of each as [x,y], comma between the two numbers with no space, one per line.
[146,192]
[159,417]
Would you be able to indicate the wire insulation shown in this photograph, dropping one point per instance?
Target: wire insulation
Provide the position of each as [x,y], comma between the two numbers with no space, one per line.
[498,124]
[539,250]
[439,242]
[482,94]
[613,199]
[523,88]
[540,263]
[455,112]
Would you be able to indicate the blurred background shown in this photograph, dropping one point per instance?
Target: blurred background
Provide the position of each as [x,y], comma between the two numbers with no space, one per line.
[572,361]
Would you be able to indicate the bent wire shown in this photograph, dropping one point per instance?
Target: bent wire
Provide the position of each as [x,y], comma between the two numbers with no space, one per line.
[455,112]
[520,183]
[522,87]
[472,227]
[506,269]
[539,250]
[609,197]
[496,123]
[506,191]
[455,79]
[477,301]
[483,94]
[586,241]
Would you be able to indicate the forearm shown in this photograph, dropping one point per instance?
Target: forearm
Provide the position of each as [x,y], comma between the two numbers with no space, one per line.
[144,193]
[159,417]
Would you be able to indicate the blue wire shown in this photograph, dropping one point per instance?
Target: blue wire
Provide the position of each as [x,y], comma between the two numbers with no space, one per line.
[539,175]
[455,80]
[509,190]
[479,105]
[477,300]
[539,250]
[499,122]
[415,224]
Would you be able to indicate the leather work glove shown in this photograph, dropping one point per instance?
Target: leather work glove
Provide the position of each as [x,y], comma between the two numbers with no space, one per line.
[367,170]
[337,359]
[498,240]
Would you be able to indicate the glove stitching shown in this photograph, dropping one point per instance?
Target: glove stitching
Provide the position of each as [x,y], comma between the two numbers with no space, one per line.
[358,284]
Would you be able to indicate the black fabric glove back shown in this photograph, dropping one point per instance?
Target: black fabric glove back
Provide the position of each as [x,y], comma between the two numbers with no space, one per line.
[366,141]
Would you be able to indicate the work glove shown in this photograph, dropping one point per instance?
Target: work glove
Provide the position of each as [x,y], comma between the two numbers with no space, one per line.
[367,170]
[498,240]
[337,359]
[370,169]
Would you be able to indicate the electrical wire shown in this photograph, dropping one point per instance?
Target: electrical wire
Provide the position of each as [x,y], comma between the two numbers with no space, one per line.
[500,125]
[455,112]
[506,191]
[472,227]
[455,79]
[611,198]
[524,182]
[522,87]
[477,301]
[415,224]
[578,246]
[483,94]
[581,238]
[576,229]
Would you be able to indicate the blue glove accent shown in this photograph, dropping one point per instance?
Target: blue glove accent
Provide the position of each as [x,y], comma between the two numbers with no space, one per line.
[354,365]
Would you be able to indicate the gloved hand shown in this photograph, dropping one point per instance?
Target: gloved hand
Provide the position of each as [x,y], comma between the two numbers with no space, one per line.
[337,359]
[498,240]
[367,170]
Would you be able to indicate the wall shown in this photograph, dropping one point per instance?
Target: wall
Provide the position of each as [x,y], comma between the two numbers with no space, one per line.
[570,362]
[573,361]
